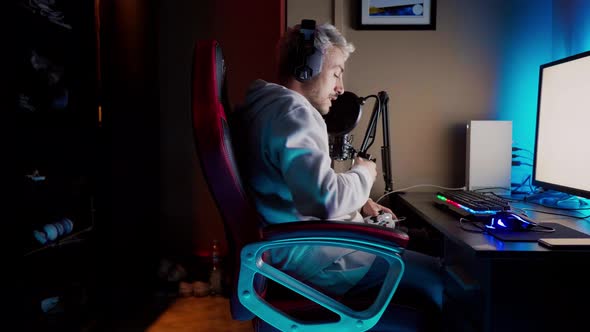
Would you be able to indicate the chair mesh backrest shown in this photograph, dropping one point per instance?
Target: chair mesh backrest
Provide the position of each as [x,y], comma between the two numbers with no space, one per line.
[214,149]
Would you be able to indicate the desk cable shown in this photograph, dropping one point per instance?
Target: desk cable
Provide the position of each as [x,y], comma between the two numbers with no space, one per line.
[416,186]
[477,228]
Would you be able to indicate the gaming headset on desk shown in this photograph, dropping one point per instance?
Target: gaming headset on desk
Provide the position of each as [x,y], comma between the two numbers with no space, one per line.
[308,59]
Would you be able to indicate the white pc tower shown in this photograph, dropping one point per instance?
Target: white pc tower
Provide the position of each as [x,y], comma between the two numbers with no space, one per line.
[489,156]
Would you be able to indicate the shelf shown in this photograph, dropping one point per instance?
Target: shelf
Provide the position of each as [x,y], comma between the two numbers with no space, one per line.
[52,117]
[71,241]
[49,16]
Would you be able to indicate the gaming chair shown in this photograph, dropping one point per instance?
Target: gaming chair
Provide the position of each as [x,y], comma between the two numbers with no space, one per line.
[260,292]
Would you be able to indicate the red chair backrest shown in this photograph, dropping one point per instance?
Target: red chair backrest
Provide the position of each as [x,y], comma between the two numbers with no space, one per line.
[214,149]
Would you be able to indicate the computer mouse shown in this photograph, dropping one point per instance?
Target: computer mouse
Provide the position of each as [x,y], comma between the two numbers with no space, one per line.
[510,221]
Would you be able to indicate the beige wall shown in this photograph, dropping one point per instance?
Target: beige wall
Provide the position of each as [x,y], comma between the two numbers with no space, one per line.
[436,80]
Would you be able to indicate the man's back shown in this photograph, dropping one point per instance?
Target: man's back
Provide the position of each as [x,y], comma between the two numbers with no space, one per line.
[286,164]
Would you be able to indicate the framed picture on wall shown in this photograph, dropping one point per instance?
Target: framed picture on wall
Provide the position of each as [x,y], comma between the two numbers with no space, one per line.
[396,15]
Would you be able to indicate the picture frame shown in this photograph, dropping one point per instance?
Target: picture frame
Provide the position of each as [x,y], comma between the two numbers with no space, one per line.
[396,15]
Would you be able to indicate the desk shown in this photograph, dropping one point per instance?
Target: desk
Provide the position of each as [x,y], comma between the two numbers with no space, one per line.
[491,285]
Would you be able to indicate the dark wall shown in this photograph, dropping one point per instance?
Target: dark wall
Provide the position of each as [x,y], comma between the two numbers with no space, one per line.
[247,32]
[128,204]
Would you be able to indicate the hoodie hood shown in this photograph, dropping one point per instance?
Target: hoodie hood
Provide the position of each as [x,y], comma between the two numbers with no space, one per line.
[261,94]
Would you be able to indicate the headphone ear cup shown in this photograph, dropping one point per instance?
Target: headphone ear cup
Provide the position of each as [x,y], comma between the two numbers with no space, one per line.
[311,67]
[303,73]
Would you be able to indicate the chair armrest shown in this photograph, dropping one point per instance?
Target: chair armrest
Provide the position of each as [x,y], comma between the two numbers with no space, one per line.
[252,264]
[338,229]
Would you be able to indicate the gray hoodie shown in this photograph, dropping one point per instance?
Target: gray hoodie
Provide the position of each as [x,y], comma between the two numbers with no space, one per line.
[287,173]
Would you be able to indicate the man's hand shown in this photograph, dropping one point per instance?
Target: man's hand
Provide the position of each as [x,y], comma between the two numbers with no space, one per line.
[371,166]
[371,209]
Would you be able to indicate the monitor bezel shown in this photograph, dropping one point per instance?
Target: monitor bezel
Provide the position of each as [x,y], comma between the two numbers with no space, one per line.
[539,183]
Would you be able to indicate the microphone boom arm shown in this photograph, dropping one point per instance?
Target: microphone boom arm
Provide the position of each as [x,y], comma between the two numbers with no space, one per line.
[380,108]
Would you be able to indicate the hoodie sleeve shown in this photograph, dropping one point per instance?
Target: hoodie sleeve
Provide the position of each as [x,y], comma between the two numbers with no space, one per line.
[300,151]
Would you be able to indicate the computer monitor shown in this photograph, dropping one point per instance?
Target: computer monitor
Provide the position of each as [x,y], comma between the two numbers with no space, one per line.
[562,148]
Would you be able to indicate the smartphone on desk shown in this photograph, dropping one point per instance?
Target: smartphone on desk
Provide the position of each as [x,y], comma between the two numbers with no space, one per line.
[565,243]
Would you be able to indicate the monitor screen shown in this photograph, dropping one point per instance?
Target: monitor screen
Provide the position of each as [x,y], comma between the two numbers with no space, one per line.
[562,148]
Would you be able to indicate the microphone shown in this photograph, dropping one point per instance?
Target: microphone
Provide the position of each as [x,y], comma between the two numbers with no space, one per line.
[344,115]
[341,147]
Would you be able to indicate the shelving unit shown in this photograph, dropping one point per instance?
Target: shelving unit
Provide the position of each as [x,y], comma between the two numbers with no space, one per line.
[53,107]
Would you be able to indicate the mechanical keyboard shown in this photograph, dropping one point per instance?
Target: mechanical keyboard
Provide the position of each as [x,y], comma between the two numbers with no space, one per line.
[466,202]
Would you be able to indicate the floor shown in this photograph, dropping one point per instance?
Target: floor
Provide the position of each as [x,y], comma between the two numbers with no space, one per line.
[157,314]
[209,314]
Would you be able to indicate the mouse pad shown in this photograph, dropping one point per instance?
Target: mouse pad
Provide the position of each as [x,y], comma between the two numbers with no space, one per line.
[560,231]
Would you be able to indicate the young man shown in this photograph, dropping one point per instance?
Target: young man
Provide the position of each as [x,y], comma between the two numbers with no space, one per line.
[286,163]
